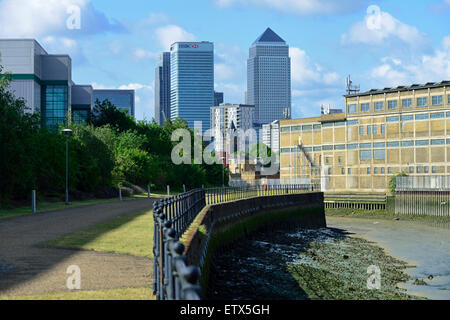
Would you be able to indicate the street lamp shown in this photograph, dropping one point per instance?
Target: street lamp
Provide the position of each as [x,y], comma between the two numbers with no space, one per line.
[67,133]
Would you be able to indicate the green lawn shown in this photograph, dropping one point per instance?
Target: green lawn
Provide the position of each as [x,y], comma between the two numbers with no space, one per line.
[53,206]
[129,234]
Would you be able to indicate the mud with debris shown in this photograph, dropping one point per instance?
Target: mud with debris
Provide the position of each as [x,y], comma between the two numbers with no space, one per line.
[324,264]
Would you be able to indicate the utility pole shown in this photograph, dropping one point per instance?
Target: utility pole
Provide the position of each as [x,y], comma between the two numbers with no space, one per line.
[67,133]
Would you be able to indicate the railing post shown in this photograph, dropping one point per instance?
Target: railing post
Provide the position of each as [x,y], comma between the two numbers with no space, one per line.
[168,190]
[149,194]
[33,201]
[184,188]
[120,194]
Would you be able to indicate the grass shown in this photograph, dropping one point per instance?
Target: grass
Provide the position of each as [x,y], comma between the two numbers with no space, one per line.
[145,293]
[43,207]
[129,234]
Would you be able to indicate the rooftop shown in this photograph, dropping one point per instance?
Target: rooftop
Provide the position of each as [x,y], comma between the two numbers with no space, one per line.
[269,36]
[428,85]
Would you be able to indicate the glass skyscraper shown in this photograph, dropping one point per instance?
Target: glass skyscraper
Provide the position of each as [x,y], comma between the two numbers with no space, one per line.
[162,89]
[269,78]
[122,99]
[192,82]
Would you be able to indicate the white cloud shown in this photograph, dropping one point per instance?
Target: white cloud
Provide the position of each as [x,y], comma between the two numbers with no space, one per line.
[155,18]
[144,54]
[172,33]
[38,18]
[65,45]
[304,71]
[434,67]
[301,7]
[380,27]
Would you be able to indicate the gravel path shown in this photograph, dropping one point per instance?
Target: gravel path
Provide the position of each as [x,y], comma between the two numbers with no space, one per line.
[26,267]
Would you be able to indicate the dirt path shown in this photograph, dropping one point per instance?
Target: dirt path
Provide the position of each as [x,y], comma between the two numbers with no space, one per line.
[26,267]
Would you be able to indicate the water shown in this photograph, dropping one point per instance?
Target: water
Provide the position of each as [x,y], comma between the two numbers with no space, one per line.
[424,246]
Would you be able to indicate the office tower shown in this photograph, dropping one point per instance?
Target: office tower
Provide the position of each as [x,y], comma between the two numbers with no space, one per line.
[271,136]
[218,98]
[122,99]
[269,78]
[192,82]
[44,81]
[162,89]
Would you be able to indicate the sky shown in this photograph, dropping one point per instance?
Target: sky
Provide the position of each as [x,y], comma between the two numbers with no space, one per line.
[116,43]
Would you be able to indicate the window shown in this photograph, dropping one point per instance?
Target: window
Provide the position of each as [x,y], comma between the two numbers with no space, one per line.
[392,105]
[352,146]
[308,149]
[55,105]
[379,145]
[448,99]
[406,103]
[361,130]
[383,129]
[423,116]
[389,170]
[339,147]
[365,146]
[436,100]
[419,170]
[422,143]
[317,149]
[327,160]
[426,170]
[407,143]
[433,169]
[317,127]
[352,108]
[375,171]
[286,129]
[327,148]
[408,118]
[296,128]
[343,171]
[379,106]
[307,128]
[437,142]
[327,125]
[365,107]
[365,155]
[392,119]
[352,122]
[438,115]
[393,144]
[379,155]
[369,130]
[375,130]
[422,102]
[285,150]
[349,171]
[368,171]
[411,170]
[382,171]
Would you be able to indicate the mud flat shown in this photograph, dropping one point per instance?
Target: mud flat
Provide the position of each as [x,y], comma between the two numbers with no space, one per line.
[325,264]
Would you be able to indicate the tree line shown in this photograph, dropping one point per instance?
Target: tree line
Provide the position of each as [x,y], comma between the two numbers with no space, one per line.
[111,149]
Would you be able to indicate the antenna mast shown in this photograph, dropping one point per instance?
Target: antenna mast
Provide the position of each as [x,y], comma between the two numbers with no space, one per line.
[351,89]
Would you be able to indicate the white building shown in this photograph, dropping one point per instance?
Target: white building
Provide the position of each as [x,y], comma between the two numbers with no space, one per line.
[230,117]
[271,136]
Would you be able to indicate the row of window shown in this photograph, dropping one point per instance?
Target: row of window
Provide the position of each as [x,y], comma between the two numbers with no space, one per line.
[382,170]
[377,145]
[393,104]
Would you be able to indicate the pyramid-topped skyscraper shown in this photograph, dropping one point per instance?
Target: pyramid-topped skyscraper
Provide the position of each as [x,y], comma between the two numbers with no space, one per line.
[269,78]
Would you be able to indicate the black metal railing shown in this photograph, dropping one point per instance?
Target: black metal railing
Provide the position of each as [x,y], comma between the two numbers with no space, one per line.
[173,278]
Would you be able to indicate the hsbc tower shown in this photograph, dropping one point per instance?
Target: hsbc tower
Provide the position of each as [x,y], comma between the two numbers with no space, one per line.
[192,82]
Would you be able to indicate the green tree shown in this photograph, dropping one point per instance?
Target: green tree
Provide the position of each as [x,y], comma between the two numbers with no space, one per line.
[106,113]
[393,182]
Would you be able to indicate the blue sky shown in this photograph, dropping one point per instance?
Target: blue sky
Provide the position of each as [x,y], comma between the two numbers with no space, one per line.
[397,43]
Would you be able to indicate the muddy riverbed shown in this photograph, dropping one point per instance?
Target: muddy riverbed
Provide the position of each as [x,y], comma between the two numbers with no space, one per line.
[328,263]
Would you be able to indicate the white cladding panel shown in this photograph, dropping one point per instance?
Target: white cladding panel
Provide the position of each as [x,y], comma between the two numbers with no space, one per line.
[17,56]
[26,89]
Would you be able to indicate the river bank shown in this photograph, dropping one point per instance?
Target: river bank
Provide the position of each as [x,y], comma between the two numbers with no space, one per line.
[325,264]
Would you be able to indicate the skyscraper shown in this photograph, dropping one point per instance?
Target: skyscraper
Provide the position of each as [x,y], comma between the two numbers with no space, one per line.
[162,89]
[269,78]
[192,81]
[218,98]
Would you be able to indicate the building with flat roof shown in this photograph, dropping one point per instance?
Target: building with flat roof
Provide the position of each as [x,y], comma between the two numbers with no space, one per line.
[122,99]
[44,81]
[192,82]
[271,136]
[218,98]
[269,78]
[162,89]
[383,133]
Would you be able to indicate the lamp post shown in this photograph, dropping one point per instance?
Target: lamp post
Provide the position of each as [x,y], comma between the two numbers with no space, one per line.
[67,133]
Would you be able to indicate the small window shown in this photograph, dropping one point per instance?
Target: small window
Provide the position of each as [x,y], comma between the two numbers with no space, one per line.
[369,171]
[343,171]
[361,130]
[365,146]
[327,125]
[365,107]
[365,155]
[422,102]
[422,143]
[408,118]
[327,160]
[375,171]
[352,108]
[383,129]
[393,144]
[339,159]
[352,122]
[392,105]
[437,142]
[369,130]
[419,170]
[317,149]
[438,115]
[379,145]
[383,171]
[285,150]
[392,119]
[375,130]
[423,116]
[406,103]
[296,128]
[426,170]
[407,143]
[389,170]
[317,127]
[379,106]
[286,129]
[327,148]
[349,171]
[436,100]
[379,155]
[433,170]
[411,170]
[339,147]
[307,128]
[352,146]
